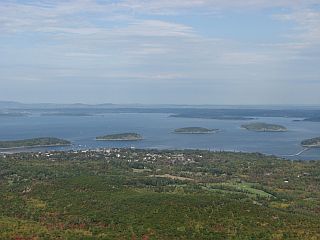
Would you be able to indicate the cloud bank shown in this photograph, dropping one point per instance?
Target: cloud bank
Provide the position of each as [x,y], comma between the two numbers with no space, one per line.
[226,51]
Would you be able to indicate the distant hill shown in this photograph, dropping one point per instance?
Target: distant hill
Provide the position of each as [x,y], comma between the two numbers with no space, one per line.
[183,111]
[18,105]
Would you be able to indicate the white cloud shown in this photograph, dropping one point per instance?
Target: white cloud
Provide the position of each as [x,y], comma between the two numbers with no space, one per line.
[26,16]
[244,58]
[182,6]
[308,23]
[157,28]
[87,41]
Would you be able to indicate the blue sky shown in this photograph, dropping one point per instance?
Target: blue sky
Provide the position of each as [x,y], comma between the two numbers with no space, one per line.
[160,51]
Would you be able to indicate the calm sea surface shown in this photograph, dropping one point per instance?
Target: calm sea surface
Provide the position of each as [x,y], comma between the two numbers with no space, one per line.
[157,131]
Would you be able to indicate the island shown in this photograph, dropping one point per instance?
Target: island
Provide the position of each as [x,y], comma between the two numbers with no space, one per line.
[34,142]
[264,127]
[194,130]
[120,137]
[311,143]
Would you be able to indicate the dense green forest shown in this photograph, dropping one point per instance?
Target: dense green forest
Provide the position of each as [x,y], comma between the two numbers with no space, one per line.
[150,194]
[34,142]
[313,142]
[264,127]
[120,137]
[194,130]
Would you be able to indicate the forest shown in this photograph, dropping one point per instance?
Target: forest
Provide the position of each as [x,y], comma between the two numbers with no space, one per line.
[153,194]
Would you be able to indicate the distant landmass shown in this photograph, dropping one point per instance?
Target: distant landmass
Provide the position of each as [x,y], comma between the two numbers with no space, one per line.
[311,143]
[33,142]
[205,116]
[19,105]
[68,114]
[264,127]
[120,137]
[308,113]
[13,114]
[194,130]
[311,119]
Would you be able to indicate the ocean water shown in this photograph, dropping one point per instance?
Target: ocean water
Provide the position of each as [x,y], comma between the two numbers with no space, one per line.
[157,132]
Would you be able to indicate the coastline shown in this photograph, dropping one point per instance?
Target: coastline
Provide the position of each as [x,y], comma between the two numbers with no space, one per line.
[311,146]
[227,150]
[37,146]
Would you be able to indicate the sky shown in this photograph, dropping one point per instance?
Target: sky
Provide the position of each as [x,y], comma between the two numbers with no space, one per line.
[160,51]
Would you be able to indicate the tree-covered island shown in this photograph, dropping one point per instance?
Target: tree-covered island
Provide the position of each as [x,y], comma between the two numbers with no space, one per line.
[194,130]
[34,142]
[311,143]
[264,127]
[120,137]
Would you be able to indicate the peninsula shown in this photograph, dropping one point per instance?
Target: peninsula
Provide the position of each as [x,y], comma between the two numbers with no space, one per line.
[120,137]
[33,142]
[194,130]
[311,143]
[264,127]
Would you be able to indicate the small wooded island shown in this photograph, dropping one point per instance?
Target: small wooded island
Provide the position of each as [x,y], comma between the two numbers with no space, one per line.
[194,130]
[264,127]
[311,143]
[34,142]
[120,137]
